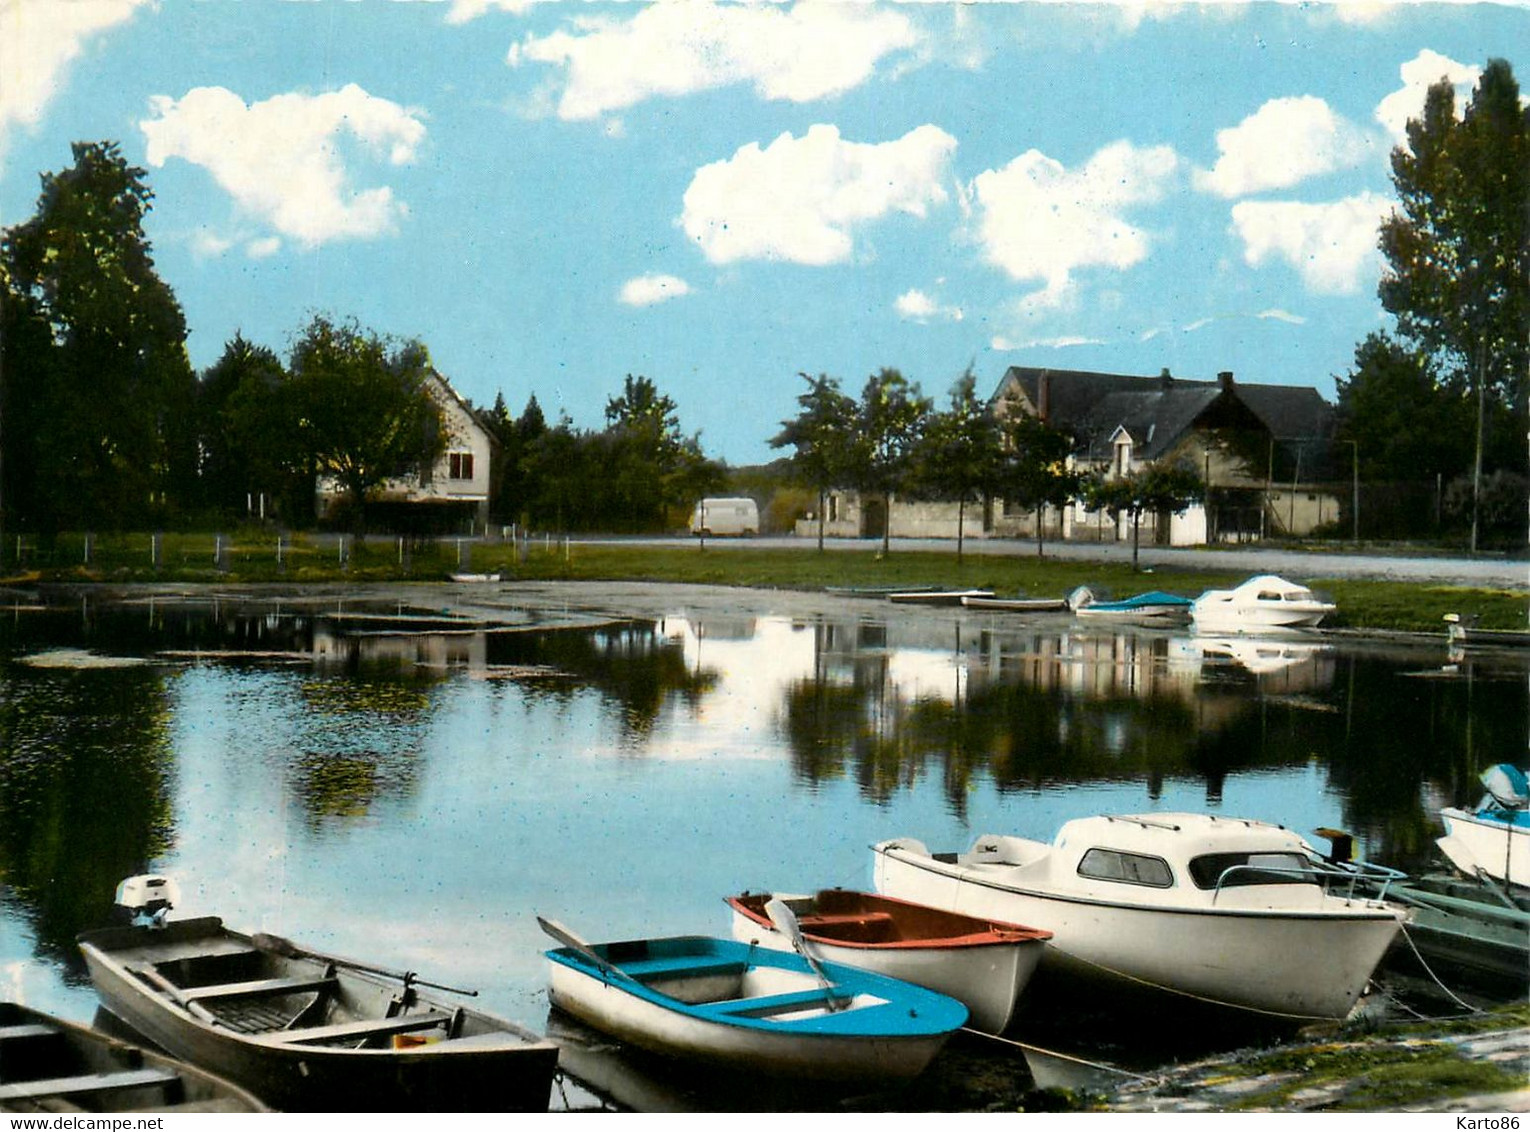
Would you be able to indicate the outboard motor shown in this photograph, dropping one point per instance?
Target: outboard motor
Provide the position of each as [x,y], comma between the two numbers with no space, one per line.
[146,900]
[1507,786]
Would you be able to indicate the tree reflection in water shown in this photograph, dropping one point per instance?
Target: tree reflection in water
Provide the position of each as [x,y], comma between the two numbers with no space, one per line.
[85,768]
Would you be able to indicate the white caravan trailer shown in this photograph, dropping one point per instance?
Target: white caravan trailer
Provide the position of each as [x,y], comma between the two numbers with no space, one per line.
[725,517]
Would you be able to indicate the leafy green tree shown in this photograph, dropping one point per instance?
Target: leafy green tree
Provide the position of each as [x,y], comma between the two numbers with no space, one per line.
[1033,473]
[890,420]
[240,427]
[98,389]
[1160,488]
[363,409]
[1458,250]
[960,452]
[1404,424]
[823,435]
[652,466]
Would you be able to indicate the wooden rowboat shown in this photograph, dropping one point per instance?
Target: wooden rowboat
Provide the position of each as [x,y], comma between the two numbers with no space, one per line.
[50,1065]
[1016,604]
[936,597]
[981,963]
[752,1010]
[312,1032]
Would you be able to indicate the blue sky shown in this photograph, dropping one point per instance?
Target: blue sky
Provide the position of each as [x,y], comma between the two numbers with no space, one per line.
[552,195]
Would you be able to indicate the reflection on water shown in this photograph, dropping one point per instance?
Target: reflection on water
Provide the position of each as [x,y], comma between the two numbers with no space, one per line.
[321,774]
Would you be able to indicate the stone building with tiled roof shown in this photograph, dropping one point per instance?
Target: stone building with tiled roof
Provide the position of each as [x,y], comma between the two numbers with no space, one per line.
[1248,441]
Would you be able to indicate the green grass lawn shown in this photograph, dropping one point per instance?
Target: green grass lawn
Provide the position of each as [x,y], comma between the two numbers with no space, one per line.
[256,557]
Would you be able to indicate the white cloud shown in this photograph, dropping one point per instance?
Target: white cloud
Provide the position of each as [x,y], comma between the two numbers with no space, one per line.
[917,306]
[1282,143]
[808,51]
[464,11]
[1000,342]
[38,41]
[646,290]
[280,159]
[1418,75]
[1331,246]
[1041,221]
[801,199]
[1275,314]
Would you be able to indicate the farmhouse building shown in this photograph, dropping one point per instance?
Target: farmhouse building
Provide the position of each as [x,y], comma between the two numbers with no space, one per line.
[452,496]
[1263,450]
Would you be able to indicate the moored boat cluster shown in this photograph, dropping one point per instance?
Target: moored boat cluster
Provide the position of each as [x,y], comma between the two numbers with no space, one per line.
[836,988]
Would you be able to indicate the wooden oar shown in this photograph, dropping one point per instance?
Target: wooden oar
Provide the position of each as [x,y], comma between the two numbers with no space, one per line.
[289,950]
[786,923]
[568,939]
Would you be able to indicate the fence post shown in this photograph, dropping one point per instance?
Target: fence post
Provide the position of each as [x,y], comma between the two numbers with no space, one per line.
[154,549]
[88,538]
[280,565]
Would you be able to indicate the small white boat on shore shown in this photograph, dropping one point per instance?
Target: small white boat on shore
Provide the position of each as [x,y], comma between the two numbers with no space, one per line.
[982,963]
[1152,608]
[1493,839]
[1228,911]
[1262,603]
[751,1010]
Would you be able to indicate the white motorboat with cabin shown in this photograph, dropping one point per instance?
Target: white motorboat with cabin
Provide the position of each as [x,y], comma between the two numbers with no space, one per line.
[1228,911]
[1262,603]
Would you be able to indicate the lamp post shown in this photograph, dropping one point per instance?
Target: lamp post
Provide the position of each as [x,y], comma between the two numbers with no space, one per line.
[1355,497]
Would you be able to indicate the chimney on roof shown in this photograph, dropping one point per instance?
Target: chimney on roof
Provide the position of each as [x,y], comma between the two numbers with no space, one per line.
[1225,379]
[1165,378]
[1044,396]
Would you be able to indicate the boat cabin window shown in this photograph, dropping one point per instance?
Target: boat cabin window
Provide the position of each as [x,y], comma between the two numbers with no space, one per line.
[1251,868]
[1270,595]
[1129,868]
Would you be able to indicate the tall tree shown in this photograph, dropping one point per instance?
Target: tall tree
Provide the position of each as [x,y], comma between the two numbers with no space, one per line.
[363,408]
[241,428]
[1405,423]
[1162,489]
[823,435]
[959,452]
[1034,473]
[96,377]
[890,419]
[652,466]
[1457,251]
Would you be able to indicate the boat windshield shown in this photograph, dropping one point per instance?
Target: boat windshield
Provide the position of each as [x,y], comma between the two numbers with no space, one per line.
[1233,869]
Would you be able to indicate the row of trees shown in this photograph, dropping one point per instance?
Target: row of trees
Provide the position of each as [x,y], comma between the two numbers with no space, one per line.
[636,474]
[104,424]
[893,441]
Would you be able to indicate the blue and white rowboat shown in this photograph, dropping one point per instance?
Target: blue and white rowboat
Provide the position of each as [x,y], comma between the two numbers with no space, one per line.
[743,1007]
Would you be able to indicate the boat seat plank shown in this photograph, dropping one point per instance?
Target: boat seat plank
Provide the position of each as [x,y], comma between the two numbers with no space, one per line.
[86,1083]
[255,988]
[23,1030]
[670,968]
[365,1028]
[769,1004]
[838,919]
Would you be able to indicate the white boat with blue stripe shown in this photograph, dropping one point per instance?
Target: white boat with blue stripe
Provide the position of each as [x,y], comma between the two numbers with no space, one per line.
[747,1008]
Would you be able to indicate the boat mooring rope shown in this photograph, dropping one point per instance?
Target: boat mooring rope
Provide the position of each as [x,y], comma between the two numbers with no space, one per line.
[1428,970]
[1100,1065]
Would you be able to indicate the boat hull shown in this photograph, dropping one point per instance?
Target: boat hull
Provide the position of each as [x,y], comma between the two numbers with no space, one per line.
[1481,842]
[807,1045]
[987,977]
[497,1071]
[1255,960]
[62,1062]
